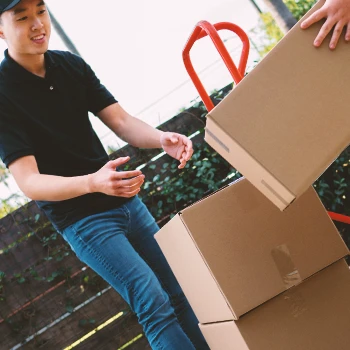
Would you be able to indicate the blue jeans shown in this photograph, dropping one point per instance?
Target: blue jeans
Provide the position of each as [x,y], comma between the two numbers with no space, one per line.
[119,245]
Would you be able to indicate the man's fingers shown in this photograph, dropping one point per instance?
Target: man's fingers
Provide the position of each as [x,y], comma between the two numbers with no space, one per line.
[128,194]
[129,188]
[183,160]
[136,181]
[117,162]
[347,34]
[188,149]
[171,137]
[182,165]
[189,154]
[126,174]
[315,17]
[326,28]
[336,35]
[187,142]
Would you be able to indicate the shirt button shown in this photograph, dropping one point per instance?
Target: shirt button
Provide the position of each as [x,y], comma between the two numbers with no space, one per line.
[51,87]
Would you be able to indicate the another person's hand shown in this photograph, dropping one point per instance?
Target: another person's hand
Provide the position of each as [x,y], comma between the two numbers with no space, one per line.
[116,183]
[177,146]
[337,14]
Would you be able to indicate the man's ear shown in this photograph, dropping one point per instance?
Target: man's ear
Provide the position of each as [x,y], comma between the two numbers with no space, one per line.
[2,35]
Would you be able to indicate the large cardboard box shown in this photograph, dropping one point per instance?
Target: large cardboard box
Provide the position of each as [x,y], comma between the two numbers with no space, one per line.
[234,250]
[288,119]
[314,315]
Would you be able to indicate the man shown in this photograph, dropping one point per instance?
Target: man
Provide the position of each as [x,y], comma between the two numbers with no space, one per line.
[47,142]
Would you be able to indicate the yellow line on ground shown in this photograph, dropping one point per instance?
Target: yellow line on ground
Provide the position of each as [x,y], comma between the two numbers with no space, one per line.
[88,335]
[131,341]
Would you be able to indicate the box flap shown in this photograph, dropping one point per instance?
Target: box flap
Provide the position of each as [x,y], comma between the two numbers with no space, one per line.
[190,270]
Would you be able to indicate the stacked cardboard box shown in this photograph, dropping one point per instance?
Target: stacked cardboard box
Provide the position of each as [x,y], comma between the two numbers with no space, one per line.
[262,273]
[235,251]
[313,316]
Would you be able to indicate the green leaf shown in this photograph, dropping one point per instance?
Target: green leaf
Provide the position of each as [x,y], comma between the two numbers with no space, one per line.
[178,197]
[81,322]
[69,308]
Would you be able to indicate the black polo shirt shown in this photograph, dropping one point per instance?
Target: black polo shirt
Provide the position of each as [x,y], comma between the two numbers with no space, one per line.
[48,118]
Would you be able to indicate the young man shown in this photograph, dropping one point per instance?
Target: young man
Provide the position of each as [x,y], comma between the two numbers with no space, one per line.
[47,142]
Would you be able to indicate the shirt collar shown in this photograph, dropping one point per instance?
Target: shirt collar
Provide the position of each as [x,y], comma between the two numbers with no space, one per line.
[14,71]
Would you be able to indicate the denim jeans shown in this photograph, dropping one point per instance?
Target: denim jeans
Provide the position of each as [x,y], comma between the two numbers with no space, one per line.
[119,245]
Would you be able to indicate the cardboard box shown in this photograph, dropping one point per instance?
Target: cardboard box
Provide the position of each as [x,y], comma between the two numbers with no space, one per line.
[288,119]
[315,315]
[234,250]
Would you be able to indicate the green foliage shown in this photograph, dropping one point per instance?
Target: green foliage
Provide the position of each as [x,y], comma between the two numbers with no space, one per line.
[171,189]
[299,7]
[7,207]
[333,186]
[271,32]
[87,322]
[4,173]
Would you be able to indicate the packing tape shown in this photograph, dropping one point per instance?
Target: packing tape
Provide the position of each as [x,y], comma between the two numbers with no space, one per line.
[285,265]
[295,302]
[217,140]
[275,193]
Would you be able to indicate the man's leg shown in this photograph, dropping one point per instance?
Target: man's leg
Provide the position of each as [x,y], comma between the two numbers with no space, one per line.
[141,235]
[100,241]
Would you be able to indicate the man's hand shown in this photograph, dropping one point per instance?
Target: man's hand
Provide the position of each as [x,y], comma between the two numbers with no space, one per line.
[177,146]
[109,181]
[337,14]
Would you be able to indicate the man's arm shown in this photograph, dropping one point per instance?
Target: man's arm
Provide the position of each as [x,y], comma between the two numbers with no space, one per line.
[130,129]
[56,188]
[337,14]
[139,134]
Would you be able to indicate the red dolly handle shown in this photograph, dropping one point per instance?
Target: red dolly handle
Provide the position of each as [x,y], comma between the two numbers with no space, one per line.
[339,217]
[204,28]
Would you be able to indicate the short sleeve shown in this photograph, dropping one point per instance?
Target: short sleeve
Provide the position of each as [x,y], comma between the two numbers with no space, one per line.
[98,96]
[14,141]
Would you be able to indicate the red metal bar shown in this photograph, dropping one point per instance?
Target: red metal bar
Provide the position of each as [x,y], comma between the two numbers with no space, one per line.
[339,217]
[204,28]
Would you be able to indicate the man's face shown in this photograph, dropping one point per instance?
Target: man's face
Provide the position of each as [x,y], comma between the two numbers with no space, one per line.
[26,28]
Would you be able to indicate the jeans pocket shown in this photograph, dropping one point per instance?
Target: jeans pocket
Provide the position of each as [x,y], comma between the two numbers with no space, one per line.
[67,236]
